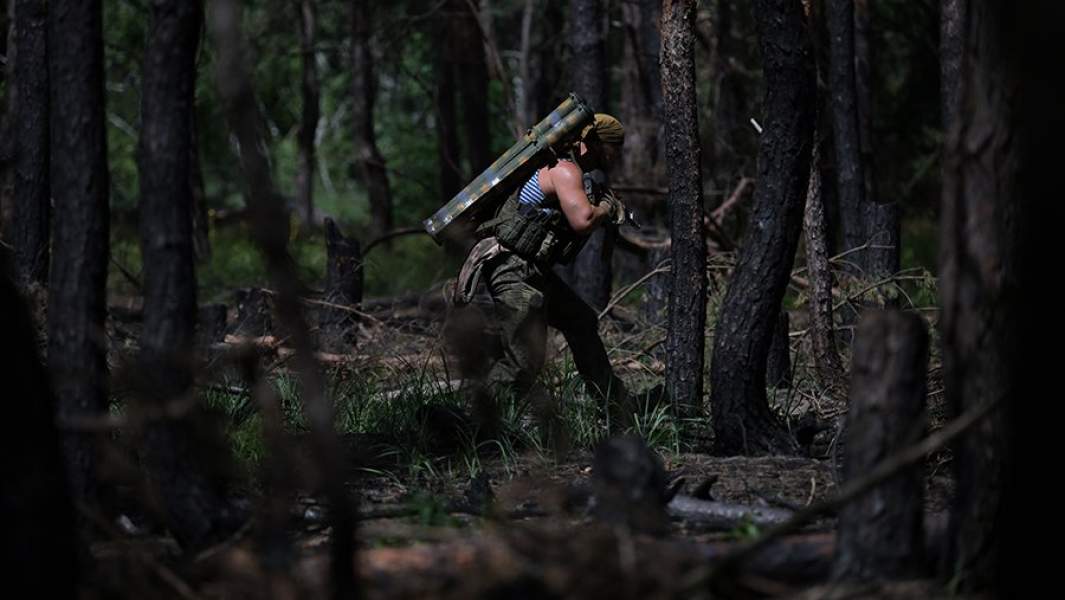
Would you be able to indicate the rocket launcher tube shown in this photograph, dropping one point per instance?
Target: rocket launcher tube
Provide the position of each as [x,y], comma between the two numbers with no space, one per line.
[534,150]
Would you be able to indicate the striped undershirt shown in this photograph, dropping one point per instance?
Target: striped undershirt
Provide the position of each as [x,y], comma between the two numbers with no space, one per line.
[531,195]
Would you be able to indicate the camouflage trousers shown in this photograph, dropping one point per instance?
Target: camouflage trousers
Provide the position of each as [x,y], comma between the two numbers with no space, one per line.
[527,298]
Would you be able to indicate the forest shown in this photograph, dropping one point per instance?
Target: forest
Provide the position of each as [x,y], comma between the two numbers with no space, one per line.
[523,298]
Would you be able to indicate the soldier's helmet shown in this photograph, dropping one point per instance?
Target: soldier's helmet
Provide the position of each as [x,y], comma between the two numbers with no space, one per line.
[605,129]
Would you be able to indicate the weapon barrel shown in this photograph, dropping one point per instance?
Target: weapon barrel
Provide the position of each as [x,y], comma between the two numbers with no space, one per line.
[515,164]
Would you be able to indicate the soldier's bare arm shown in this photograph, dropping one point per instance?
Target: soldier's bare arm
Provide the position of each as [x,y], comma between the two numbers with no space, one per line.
[565,181]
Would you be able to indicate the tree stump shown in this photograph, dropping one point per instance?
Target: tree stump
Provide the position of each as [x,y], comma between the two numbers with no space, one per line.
[881,533]
[343,288]
[253,312]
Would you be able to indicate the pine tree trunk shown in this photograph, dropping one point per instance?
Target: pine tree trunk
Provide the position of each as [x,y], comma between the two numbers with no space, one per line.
[77,347]
[465,51]
[850,177]
[364,93]
[39,545]
[881,534]
[829,367]
[978,281]
[448,151]
[742,420]
[591,274]
[201,224]
[686,334]
[32,195]
[310,112]
[195,507]
[881,218]
[952,15]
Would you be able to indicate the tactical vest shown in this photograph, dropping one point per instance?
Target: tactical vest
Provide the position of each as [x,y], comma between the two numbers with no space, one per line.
[542,236]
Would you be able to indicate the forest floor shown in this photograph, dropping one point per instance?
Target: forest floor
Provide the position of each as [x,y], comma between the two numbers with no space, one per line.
[442,515]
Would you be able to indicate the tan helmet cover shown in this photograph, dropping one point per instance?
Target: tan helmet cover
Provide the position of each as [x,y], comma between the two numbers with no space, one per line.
[606,128]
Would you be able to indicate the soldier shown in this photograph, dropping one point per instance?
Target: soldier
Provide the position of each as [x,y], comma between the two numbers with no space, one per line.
[542,224]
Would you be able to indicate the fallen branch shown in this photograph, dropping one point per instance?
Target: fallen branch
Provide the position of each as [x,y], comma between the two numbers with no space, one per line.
[662,267]
[721,516]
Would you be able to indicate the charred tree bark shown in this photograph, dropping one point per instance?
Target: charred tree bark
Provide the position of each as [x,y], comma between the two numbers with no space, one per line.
[641,110]
[7,114]
[77,347]
[39,546]
[32,195]
[742,420]
[548,78]
[881,534]
[253,312]
[266,210]
[591,274]
[642,106]
[343,287]
[447,138]
[466,57]
[881,218]
[829,367]
[309,116]
[201,224]
[371,164]
[210,324]
[952,15]
[196,510]
[778,363]
[978,274]
[850,177]
[685,336]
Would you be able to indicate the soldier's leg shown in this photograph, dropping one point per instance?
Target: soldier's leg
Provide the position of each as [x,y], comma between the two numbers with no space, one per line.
[578,322]
[518,307]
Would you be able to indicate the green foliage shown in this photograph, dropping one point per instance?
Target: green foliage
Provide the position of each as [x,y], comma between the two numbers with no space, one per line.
[746,530]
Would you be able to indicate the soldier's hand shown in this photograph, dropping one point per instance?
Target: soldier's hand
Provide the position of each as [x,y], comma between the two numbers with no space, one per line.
[616,211]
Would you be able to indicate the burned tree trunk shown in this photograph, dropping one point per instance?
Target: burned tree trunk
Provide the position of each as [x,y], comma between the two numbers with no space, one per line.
[687,293]
[642,106]
[952,14]
[343,287]
[7,114]
[641,110]
[371,165]
[742,420]
[309,116]
[465,53]
[196,510]
[32,195]
[778,363]
[266,210]
[201,225]
[447,137]
[39,545]
[843,104]
[829,367]
[881,534]
[77,347]
[881,218]
[591,274]
[978,280]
